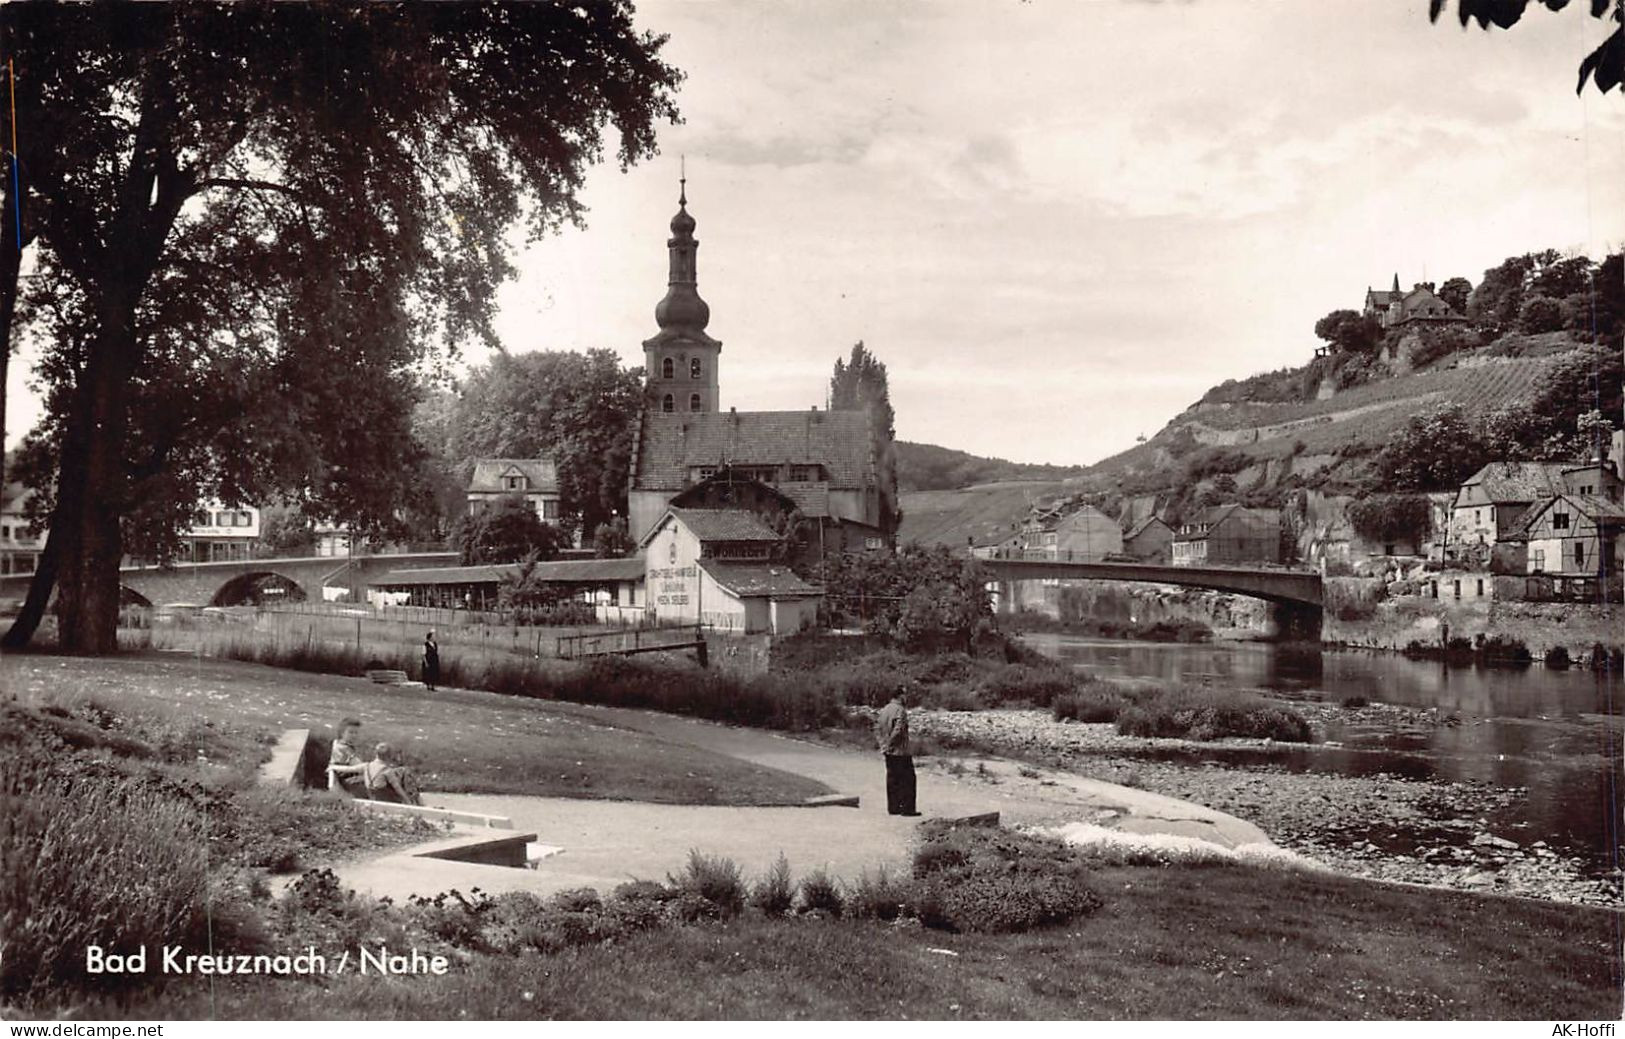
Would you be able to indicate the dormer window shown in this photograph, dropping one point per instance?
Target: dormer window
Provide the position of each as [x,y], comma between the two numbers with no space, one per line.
[694,402]
[667,403]
[696,370]
[668,368]
[513,483]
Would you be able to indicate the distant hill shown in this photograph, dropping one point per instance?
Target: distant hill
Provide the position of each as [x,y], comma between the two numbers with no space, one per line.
[981,515]
[926,467]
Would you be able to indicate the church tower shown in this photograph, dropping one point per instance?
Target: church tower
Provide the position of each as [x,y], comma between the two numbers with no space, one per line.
[681,360]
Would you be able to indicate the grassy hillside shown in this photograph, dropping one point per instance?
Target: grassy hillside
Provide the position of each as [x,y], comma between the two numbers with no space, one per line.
[926,467]
[981,515]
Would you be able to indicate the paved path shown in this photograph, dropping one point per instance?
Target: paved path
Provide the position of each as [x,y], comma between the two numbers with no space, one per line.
[607,842]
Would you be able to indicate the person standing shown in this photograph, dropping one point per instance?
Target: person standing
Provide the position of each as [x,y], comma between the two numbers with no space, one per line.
[431,662]
[891,732]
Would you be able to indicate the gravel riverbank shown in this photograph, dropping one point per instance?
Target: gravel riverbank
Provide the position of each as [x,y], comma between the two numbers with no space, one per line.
[1383,826]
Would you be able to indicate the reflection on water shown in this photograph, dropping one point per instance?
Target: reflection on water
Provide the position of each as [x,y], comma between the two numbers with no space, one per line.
[1556,733]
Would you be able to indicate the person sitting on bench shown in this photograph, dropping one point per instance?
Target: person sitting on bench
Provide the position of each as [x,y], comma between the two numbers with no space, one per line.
[384,778]
[344,762]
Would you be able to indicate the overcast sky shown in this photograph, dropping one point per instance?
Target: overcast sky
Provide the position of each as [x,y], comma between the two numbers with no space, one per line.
[1058,223]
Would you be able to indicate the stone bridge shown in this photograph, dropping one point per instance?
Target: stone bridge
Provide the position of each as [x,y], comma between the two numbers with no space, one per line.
[1295,594]
[219,584]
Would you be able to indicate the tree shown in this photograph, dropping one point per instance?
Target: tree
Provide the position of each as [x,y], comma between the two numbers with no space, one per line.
[1602,66]
[1456,292]
[507,531]
[257,223]
[1390,518]
[1540,314]
[860,384]
[284,533]
[1434,451]
[916,595]
[578,409]
[1349,331]
[1499,296]
[611,541]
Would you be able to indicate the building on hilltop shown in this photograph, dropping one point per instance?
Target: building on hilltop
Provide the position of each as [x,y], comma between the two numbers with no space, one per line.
[1395,308]
[826,462]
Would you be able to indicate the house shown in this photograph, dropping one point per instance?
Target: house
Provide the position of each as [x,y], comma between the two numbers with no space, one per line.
[1576,535]
[19,549]
[1492,502]
[1083,535]
[219,534]
[1150,541]
[535,480]
[1228,534]
[815,536]
[828,462]
[717,567]
[1396,309]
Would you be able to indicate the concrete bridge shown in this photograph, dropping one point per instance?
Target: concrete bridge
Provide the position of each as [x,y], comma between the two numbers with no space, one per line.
[1295,595]
[220,584]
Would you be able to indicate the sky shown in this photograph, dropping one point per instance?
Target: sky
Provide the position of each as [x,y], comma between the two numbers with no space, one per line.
[1058,222]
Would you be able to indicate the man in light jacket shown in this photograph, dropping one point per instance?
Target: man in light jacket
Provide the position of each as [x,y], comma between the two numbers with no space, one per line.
[891,732]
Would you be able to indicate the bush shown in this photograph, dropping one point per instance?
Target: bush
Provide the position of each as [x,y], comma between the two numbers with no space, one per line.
[1207,714]
[774,893]
[820,893]
[105,863]
[881,897]
[1557,658]
[713,878]
[998,881]
[1022,683]
[1096,702]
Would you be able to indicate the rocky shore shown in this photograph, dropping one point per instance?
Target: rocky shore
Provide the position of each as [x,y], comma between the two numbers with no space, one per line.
[1383,826]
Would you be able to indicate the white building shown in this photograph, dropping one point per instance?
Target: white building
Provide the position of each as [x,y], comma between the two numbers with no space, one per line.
[714,567]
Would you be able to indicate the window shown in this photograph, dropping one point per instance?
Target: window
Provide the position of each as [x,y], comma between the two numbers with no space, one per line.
[696,370]
[694,403]
[550,510]
[1480,592]
[667,369]
[200,519]
[1458,588]
[1560,521]
[223,519]
[1388,550]
[514,483]
[667,404]
[1538,562]
[705,472]
[1579,555]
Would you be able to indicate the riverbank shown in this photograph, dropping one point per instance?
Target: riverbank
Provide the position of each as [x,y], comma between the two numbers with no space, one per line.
[1393,624]
[1385,826]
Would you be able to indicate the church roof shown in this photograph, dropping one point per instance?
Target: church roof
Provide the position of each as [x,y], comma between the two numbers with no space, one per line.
[671,444]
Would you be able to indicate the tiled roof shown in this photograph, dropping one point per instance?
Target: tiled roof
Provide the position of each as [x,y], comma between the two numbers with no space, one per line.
[670,444]
[1512,482]
[1593,506]
[811,498]
[1140,527]
[540,474]
[564,571]
[748,580]
[725,525]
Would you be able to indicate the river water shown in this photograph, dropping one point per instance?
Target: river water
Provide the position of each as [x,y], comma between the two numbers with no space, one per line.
[1555,734]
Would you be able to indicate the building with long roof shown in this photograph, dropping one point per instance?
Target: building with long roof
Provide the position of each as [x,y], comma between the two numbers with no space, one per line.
[827,462]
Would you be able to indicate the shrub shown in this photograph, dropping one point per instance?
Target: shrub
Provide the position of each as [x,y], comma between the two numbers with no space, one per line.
[998,881]
[774,893]
[1095,702]
[105,863]
[1557,658]
[1206,714]
[820,893]
[713,878]
[1354,703]
[1023,683]
[881,897]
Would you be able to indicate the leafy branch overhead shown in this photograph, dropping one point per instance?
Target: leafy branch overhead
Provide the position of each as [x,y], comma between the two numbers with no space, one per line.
[261,226]
[1604,66]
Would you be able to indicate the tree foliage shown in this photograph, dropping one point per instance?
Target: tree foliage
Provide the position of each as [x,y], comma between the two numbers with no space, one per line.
[255,221]
[1603,66]
[859,384]
[578,409]
[915,595]
[1390,518]
[1456,292]
[507,531]
[1349,330]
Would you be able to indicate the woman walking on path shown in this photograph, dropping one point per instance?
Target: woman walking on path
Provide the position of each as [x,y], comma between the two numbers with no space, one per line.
[431,662]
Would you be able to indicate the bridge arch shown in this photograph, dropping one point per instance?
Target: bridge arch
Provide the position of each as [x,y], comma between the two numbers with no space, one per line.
[257,587]
[128,596]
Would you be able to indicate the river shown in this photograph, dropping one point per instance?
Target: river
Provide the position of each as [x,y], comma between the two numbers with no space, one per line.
[1555,734]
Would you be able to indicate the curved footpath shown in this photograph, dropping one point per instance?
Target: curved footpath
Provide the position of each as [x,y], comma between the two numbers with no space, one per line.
[608,842]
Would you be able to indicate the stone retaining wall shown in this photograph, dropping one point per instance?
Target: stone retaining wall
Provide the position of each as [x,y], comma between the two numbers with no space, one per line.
[1540,626]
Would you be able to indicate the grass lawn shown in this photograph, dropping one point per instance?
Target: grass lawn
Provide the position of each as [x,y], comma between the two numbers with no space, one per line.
[460,741]
[1173,943]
